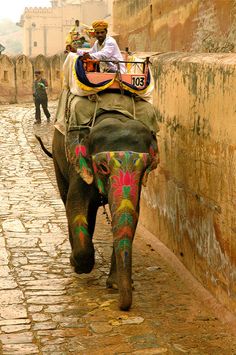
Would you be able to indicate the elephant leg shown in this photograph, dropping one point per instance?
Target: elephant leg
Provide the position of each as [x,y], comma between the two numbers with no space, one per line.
[62,183]
[63,187]
[77,209]
[92,213]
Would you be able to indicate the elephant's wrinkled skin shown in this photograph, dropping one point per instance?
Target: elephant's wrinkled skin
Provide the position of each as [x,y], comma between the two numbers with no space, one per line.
[111,162]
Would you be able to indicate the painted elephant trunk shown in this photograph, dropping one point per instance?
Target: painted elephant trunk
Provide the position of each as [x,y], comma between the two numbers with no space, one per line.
[124,220]
[126,173]
[118,176]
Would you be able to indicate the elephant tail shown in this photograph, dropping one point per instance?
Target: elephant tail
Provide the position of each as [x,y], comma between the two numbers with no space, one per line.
[43,147]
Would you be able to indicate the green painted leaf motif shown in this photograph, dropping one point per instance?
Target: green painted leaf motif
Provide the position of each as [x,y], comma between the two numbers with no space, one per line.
[100,186]
[82,162]
[126,218]
[126,191]
[82,229]
[124,244]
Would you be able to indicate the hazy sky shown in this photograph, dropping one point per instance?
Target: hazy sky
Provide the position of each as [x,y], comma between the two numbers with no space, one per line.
[13,9]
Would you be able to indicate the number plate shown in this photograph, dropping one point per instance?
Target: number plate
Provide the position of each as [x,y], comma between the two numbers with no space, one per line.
[138,81]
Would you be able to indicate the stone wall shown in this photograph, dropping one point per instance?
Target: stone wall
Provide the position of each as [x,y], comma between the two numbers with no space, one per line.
[7,80]
[183,25]
[23,77]
[17,75]
[190,200]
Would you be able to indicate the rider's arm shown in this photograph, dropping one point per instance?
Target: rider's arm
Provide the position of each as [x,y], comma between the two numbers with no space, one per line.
[107,52]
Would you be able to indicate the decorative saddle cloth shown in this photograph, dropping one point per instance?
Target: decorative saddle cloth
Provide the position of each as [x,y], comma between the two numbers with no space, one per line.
[98,81]
[75,111]
[83,83]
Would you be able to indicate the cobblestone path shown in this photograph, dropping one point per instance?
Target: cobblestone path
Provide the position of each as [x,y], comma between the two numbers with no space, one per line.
[45,308]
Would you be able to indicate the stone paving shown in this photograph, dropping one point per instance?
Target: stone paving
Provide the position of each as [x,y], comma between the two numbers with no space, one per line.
[45,308]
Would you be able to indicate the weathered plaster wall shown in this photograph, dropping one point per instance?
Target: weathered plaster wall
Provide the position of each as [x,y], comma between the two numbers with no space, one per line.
[190,200]
[17,76]
[7,80]
[56,76]
[23,76]
[183,25]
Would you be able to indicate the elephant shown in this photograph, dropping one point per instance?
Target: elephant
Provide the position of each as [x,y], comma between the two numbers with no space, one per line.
[106,163]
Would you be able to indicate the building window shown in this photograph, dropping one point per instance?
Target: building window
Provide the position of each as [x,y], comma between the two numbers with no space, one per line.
[5,75]
[35,44]
[23,74]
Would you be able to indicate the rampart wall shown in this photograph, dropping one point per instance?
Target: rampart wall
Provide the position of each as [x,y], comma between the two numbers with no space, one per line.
[17,75]
[183,25]
[190,200]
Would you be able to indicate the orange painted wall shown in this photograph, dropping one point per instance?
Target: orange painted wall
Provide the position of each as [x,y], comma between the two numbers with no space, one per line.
[181,25]
[190,200]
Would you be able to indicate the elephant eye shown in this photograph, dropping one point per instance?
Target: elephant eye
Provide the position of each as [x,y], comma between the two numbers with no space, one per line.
[103,168]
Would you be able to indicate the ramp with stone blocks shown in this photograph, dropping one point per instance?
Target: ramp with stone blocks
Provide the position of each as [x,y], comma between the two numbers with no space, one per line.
[45,308]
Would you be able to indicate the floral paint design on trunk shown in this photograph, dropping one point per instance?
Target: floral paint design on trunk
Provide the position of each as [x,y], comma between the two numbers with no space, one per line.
[122,172]
[80,226]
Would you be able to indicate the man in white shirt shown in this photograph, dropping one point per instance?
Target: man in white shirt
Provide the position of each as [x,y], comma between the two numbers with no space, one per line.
[105,48]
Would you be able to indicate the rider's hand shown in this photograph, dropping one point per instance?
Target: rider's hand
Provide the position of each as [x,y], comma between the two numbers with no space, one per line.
[86,56]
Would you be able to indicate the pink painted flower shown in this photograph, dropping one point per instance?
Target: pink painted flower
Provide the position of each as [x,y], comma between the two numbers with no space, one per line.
[125,179]
[80,149]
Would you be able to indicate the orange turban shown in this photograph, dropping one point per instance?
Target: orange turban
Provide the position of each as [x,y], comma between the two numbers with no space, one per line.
[99,25]
[90,32]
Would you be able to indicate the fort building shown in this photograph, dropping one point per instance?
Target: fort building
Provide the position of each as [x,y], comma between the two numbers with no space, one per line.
[45,28]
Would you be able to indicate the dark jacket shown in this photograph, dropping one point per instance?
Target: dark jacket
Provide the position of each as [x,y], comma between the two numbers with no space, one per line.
[39,89]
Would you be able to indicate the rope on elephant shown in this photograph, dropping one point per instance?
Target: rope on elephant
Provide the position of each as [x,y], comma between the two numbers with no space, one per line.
[68,105]
[134,112]
[94,98]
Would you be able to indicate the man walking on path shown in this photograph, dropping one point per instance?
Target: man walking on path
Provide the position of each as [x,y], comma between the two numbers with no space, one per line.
[40,97]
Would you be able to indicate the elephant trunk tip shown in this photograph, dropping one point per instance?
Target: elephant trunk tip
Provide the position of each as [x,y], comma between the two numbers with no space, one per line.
[125,300]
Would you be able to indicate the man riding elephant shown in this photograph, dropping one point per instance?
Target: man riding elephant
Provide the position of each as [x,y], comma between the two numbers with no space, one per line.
[105,48]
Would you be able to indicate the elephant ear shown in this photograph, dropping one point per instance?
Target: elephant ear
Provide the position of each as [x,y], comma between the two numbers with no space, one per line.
[77,152]
[154,159]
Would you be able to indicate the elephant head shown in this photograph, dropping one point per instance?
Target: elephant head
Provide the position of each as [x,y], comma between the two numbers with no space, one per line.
[80,156]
